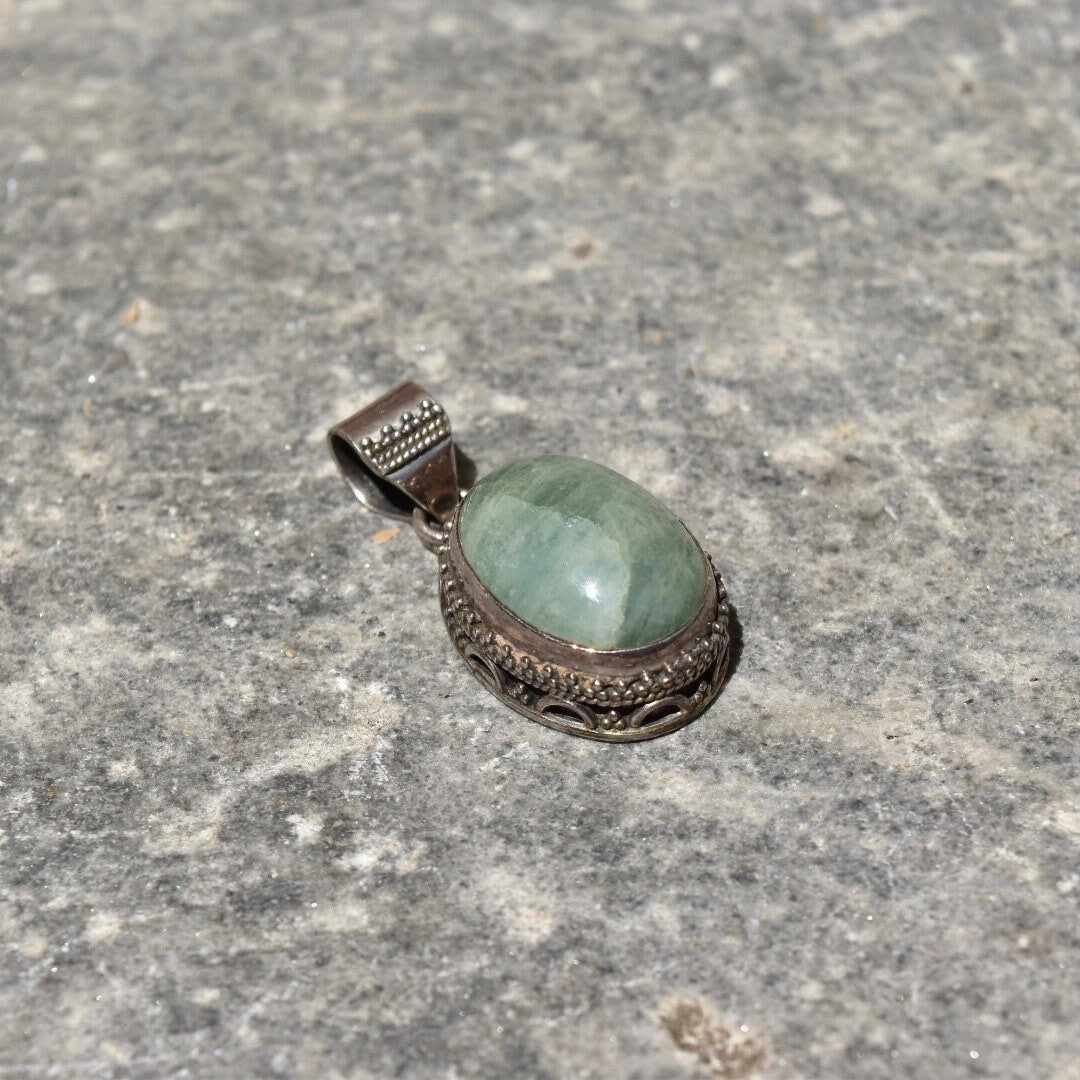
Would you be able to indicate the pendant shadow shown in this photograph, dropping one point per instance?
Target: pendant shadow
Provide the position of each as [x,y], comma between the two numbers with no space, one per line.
[466,468]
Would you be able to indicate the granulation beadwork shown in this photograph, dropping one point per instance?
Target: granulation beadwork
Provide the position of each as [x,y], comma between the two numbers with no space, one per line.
[397,444]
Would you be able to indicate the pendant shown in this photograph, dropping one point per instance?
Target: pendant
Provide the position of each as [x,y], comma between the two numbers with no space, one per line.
[574,595]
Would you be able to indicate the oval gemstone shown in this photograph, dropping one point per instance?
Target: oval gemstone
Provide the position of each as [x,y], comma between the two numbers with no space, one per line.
[581,553]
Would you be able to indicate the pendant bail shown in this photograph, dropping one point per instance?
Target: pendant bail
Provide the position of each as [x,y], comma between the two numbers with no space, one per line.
[397,454]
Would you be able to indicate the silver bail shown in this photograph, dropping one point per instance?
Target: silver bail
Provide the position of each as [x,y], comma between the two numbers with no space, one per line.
[398,453]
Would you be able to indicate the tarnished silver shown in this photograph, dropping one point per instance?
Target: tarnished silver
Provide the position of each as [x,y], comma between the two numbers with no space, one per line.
[398,457]
[397,454]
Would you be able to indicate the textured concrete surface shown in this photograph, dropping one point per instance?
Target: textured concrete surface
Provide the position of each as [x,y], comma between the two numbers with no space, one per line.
[808,271]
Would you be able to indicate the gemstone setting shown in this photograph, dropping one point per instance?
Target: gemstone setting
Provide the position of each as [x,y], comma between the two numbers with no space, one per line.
[552,516]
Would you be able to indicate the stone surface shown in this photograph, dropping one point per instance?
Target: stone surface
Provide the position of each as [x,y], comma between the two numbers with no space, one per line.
[580,552]
[807,271]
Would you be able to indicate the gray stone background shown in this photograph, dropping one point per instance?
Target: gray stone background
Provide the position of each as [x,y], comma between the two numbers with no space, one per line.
[810,271]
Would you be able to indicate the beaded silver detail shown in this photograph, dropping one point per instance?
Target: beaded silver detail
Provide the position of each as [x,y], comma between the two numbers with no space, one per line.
[395,445]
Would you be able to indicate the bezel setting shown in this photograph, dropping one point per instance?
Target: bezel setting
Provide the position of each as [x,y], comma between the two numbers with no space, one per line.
[612,695]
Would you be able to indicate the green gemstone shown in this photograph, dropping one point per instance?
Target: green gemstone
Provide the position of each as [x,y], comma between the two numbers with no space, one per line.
[582,553]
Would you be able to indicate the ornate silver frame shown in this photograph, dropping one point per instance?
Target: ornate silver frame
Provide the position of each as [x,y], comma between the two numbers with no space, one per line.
[398,453]
[619,695]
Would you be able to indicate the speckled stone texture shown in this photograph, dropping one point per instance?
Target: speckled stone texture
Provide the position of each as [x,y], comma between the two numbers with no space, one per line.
[806,270]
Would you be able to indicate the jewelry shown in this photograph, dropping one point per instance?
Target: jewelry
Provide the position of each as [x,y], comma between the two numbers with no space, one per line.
[574,595]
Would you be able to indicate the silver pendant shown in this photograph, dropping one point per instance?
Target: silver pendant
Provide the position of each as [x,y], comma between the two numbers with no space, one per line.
[591,609]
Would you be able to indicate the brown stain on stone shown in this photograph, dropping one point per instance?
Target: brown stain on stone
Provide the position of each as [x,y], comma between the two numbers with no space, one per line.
[724,1053]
